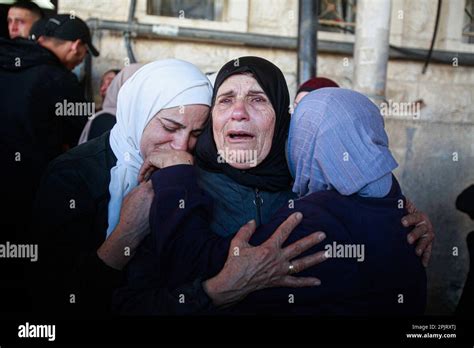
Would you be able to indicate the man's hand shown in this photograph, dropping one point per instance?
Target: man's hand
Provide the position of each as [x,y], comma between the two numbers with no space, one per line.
[251,268]
[423,232]
[132,228]
[162,158]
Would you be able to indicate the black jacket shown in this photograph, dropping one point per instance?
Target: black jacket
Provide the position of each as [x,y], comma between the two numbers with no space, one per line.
[32,82]
[70,218]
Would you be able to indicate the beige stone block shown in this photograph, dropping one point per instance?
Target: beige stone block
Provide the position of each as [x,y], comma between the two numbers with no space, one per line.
[404,71]
[446,102]
[104,9]
[418,23]
[335,65]
[274,17]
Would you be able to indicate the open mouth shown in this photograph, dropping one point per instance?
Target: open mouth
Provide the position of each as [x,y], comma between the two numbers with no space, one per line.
[239,136]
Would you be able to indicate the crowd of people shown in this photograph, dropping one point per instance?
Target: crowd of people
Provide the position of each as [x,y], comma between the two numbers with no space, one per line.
[186,196]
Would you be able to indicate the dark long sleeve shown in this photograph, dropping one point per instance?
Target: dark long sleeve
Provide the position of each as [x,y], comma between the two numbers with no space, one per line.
[180,227]
[69,277]
[166,274]
[67,90]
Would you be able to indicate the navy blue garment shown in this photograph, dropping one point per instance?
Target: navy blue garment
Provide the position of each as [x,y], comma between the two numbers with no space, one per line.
[237,204]
[390,281]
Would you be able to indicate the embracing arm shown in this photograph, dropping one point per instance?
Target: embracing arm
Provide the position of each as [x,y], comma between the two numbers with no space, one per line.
[423,232]
[186,248]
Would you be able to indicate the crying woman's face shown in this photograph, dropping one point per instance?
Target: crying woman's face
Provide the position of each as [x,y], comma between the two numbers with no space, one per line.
[174,128]
[243,121]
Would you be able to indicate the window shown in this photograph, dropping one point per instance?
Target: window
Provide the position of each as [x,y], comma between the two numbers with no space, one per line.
[468,26]
[337,16]
[192,9]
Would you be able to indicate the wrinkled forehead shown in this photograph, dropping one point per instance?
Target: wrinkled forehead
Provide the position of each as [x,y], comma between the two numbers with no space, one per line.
[241,82]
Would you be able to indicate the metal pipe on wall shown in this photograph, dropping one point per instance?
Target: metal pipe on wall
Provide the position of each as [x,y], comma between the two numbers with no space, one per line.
[168,32]
[307,39]
[128,34]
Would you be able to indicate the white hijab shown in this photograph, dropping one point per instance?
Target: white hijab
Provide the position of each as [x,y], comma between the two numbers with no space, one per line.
[158,85]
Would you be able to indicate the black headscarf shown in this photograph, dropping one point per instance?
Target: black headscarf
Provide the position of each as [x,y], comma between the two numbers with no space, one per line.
[272,173]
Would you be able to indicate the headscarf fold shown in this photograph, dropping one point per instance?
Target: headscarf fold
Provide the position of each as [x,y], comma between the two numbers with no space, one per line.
[110,102]
[158,85]
[337,141]
[272,173]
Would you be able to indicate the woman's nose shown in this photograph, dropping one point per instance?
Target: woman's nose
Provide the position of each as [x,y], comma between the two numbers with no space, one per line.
[239,112]
[180,143]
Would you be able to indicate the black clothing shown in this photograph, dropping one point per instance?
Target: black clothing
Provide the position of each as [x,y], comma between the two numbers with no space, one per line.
[71,218]
[465,201]
[101,124]
[465,307]
[32,82]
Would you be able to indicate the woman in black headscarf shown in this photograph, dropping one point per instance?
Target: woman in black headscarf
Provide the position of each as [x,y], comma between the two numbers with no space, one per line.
[257,188]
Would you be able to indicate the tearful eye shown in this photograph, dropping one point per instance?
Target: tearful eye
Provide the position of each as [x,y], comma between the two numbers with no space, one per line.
[259,100]
[171,130]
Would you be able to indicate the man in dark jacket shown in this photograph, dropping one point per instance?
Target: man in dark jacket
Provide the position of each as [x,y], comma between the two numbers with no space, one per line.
[42,113]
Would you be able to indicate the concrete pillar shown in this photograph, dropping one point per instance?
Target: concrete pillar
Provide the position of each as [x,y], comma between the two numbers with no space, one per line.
[372,47]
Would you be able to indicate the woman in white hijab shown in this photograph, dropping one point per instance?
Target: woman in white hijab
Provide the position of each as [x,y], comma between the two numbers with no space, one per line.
[177,96]
[164,105]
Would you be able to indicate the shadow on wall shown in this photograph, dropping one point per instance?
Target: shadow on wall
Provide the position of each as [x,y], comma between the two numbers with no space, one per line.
[436,163]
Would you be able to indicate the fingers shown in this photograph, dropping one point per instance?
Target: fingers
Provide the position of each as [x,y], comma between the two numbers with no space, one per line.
[423,243]
[283,231]
[427,255]
[246,231]
[417,233]
[420,231]
[413,219]
[410,207]
[308,261]
[302,245]
[298,282]
[145,170]
[148,188]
